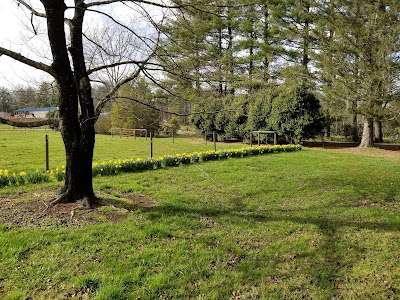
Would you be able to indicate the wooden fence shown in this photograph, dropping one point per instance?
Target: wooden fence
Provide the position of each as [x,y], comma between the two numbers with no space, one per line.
[129,133]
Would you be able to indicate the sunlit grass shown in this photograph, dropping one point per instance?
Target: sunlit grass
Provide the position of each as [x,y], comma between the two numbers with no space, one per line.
[309,224]
[22,150]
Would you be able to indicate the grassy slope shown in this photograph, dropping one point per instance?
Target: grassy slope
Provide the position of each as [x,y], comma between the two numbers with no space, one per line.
[308,224]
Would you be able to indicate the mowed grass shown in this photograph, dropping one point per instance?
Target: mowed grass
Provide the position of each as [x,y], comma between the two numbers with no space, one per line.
[22,150]
[309,224]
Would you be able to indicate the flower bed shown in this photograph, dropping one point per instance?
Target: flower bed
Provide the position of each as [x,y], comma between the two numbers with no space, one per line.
[139,164]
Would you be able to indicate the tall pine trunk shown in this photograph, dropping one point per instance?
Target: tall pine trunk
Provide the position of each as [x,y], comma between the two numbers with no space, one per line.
[378,134]
[368,133]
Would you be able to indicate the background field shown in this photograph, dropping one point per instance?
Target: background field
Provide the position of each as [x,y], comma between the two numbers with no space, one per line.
[22,150]
[309,224]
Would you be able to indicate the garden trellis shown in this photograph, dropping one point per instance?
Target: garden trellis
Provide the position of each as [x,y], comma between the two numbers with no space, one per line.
[258,132]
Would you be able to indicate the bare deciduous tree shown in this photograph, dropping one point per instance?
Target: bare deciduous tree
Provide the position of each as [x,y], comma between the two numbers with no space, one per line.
[73,67]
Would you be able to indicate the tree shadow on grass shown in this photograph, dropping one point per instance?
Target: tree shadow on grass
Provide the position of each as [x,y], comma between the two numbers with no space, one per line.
[334,262]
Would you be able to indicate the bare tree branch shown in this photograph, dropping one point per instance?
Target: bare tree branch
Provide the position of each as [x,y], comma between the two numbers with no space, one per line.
[98,45]
[150,106]
[161,5]
[90,71]
[133,76]
[171,112]
[35,12]
[33,25]
[122,25]
[31,9]
[109,95]
[35,64]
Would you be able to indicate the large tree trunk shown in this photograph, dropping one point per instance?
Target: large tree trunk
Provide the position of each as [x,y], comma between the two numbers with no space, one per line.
[378,134]
[368,133]
[77,133]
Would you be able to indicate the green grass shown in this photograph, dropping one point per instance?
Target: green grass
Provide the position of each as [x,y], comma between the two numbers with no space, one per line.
[309,224]
[25,151]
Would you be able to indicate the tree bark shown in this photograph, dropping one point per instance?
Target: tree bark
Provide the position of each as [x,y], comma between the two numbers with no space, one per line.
[368,133]
[77,132]
[378,134]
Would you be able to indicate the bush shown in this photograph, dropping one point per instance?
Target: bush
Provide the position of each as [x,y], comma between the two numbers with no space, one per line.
[103,124]
[352,133]
[291,110]
[53,114]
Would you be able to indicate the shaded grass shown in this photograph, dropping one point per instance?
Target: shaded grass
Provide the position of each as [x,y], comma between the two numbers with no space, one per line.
[310,224]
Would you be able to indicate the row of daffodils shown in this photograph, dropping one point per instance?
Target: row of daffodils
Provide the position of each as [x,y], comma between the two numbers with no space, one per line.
[139,164]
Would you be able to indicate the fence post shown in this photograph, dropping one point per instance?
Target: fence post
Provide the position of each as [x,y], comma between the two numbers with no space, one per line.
[251,139]
[151,145]
[275,142]
[258,139]
[47,152]
[215,140]
[205,135]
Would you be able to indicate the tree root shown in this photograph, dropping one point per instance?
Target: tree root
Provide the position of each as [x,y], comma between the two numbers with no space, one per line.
[86,202]
[63,198]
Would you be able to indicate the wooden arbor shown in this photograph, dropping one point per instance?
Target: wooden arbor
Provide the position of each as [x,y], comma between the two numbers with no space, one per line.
[258,132]
[125,132]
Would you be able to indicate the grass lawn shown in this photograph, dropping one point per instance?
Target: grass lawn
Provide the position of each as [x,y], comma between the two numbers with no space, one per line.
[308,224]
[22,150]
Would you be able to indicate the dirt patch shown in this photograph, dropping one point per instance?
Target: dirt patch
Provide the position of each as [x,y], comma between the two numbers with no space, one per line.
[363,151]
[29,209]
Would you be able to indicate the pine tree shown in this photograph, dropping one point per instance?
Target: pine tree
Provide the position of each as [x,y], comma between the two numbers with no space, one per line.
[358,60]
[297,20]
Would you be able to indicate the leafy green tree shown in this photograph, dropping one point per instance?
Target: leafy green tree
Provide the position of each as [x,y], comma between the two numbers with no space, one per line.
[103,124]
[204,114]
[175,124]
[291,110]
[134,107]
[296,114]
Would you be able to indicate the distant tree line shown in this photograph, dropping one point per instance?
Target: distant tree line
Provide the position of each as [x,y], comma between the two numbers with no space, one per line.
[45,95]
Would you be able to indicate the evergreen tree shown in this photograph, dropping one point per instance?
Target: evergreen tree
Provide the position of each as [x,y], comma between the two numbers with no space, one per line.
[47,95]
[7,103]
[358,61]
[297,23]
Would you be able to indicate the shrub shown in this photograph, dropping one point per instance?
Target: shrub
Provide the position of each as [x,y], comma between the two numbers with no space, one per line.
[103,124]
